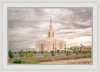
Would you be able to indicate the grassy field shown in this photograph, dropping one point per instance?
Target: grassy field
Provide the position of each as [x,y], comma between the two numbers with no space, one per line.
[20,61]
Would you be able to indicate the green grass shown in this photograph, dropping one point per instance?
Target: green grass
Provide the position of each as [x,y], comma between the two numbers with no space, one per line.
[45,60]
[64,59]
[20,61]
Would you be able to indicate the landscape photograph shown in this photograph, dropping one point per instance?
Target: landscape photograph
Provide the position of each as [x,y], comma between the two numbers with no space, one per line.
[49,35]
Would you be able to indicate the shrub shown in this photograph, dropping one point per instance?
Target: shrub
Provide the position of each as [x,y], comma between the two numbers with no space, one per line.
[15,52]
[84,52]
[42,51]
[90,52]
[77,52]
[46,54]
[29,54]
[34,52]
[17,61]
[70,53]
[73,51]
[58,51]
[67,53]
[52,53]
[71,48]
[80,47]
[21,53]
[10,54]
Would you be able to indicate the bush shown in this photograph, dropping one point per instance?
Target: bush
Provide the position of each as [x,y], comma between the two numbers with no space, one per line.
[21,53]
[71,48]
[29,54]
[70,53]
[46,54]
[10,54]
[42,51]
[73,51]
[67,53]
[58,51]
[17,61]
[34,52]
[15,52]
[84,52]
[52,53]
[90,52]
[77,52]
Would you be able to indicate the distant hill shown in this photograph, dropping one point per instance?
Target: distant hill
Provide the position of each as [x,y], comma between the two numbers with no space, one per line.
[24,49]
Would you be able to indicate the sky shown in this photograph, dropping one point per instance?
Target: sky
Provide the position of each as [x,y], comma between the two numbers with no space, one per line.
[28,25]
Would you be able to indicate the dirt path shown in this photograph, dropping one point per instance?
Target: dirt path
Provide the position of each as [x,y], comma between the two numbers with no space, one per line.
[52,57]
[77,61]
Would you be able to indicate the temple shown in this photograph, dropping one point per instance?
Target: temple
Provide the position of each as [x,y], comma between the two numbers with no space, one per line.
[50,43]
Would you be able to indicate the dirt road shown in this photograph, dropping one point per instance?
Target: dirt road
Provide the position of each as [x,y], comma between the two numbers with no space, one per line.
[76,61]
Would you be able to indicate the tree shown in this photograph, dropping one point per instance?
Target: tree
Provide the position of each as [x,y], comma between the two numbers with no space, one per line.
[67,53]
[80,47]
[10,54]
[70,53]
[73,51]
[15,52]
[71,48]
[84,52]
[65,50]
[46,54]
[42,51]
[29,54]
[90,52]
[34,52]
[77,52]
[52,53]
[21,53]
[58,51]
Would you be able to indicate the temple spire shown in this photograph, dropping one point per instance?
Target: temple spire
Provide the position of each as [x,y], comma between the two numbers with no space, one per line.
[50,19]
[50,22]
[51,31]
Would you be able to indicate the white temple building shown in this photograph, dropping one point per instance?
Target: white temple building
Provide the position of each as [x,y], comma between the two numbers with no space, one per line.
[50,43]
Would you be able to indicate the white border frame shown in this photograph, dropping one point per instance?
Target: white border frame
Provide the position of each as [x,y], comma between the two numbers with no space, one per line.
[37,67]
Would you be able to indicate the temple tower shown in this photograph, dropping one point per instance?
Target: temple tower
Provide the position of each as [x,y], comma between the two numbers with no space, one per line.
[51,31]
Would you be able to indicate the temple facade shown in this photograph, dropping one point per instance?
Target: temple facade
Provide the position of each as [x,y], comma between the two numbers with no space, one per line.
[50,43]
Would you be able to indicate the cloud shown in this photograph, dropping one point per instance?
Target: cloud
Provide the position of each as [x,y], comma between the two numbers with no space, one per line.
[28,25]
